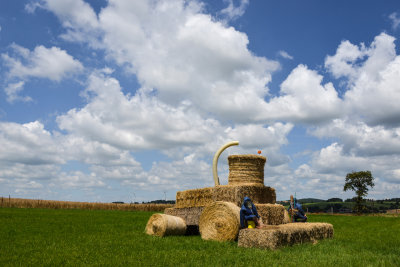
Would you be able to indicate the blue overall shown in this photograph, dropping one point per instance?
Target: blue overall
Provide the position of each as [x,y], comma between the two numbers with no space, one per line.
[247,214]
[300,214]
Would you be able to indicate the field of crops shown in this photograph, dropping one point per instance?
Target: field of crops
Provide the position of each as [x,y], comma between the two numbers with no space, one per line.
[53,204]
[33,237]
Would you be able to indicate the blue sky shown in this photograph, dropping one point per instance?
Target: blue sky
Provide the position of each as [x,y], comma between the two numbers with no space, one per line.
[129,100]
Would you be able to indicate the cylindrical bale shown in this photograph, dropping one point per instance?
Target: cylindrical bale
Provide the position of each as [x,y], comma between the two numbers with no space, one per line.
[162,225]
[220,221]
[246,169]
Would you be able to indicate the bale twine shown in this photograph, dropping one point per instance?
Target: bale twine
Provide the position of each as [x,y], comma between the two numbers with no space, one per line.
[245,169]
[220,221]
[162,225]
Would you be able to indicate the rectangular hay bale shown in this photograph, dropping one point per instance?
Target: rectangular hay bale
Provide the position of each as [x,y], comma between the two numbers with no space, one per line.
[271,214]
[231,193]
[276,236]
[194,198]
[190,215]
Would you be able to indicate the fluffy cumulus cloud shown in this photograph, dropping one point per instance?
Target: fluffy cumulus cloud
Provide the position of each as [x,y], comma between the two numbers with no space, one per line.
[51,63]
[304,99]
[183,54]
[371,73]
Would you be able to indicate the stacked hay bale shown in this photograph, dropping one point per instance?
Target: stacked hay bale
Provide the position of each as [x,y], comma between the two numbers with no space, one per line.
[246,178]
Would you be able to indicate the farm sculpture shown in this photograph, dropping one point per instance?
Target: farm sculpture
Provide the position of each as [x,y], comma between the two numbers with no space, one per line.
[214,211]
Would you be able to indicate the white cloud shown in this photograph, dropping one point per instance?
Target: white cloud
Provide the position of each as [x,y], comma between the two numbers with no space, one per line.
[76,16]
[28,143]
[373,91]
[12,91]
[304,99]
[285,54]
[395,20]
[233,11]
[183,54]
[32,6]
[362,140]
[51,63]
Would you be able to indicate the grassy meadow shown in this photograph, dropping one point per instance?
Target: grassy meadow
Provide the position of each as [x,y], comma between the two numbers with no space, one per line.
[56,237]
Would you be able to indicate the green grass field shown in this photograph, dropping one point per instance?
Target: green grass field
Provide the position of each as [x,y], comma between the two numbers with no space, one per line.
[40,237]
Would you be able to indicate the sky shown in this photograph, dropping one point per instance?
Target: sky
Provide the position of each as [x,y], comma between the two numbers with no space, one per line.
[124,100]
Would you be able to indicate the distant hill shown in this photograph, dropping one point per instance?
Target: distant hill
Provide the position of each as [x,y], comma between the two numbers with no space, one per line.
[310,200]
[302,200]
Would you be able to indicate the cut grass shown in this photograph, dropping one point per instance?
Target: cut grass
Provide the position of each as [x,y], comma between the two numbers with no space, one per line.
[32,237]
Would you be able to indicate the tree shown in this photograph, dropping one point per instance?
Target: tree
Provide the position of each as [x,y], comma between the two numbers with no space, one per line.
[359,182]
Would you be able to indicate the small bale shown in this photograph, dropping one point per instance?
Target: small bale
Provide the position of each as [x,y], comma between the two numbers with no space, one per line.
[190,215]
[276,236]
[162,225]
[286,218]
[220,221]
[246,169]
[271,214]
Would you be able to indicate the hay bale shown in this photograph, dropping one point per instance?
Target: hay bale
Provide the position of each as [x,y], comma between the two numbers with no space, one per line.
[271,214]
[190,215]
[194,197]
[231,193]
[275,236]
[220,221]
[163,225]
[286,218]
[246,169]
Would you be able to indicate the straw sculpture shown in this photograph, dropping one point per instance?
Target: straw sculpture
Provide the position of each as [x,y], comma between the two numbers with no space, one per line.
[230,193]
[247,169]
[276,236]
[190,215]
[271,214]
[163,225]
[220,222]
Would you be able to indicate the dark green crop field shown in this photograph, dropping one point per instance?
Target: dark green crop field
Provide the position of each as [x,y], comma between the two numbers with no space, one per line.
[46,237]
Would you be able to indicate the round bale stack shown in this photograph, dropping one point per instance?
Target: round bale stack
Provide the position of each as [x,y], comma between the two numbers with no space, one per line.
[246,169]
[162,225]
[220,221]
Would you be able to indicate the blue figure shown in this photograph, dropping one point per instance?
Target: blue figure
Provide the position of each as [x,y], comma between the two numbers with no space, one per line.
[249,217]
[299,214]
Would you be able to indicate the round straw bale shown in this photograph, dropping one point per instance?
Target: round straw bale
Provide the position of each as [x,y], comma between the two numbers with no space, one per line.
[246,169]
[220,221]
[161,225]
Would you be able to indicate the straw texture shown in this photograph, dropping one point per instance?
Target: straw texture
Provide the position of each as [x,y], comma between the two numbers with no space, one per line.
[276,236]
[163,225]
[220,221]
[246,169]
[190,215]
[230,193]
[271,214]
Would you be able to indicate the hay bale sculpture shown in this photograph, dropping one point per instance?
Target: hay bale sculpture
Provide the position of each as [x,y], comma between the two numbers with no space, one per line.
[214,211]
